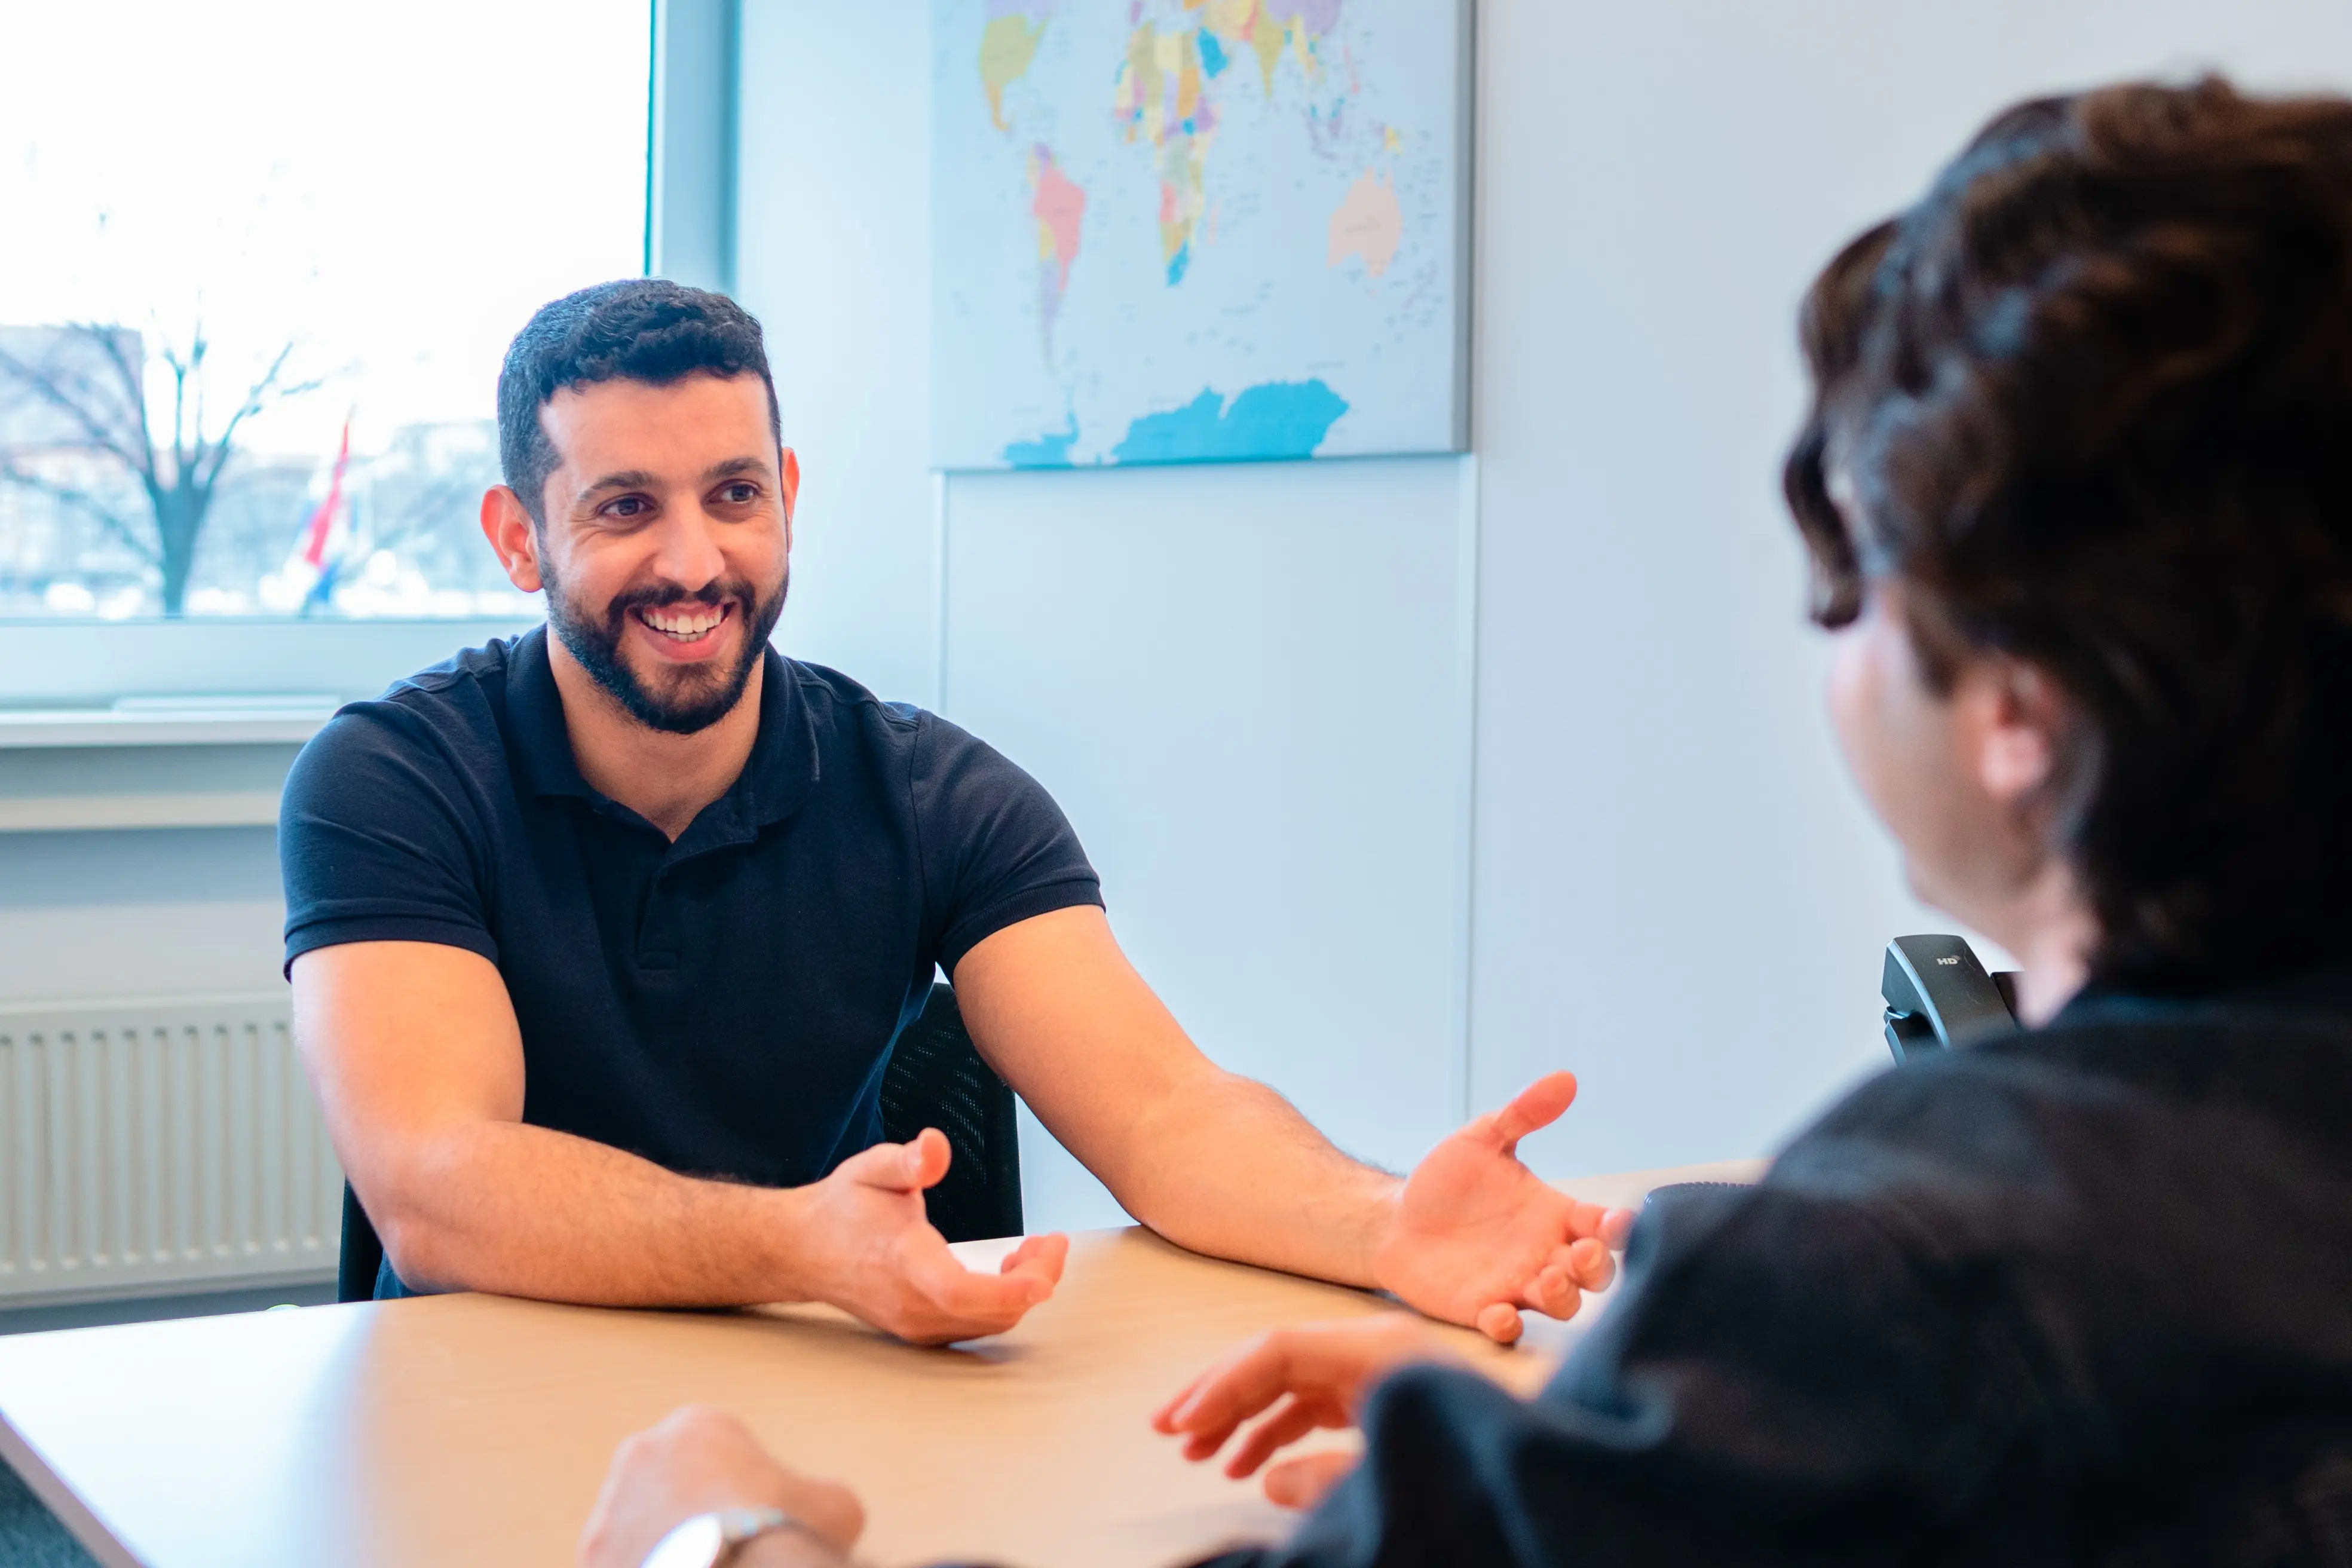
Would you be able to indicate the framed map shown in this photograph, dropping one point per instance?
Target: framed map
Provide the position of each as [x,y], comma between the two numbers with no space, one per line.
[1169,231]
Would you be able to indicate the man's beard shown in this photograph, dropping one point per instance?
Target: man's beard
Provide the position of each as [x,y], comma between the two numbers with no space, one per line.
[695,696]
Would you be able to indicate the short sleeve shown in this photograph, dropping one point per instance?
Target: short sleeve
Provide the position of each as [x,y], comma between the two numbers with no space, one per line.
[379,838]
[996,849]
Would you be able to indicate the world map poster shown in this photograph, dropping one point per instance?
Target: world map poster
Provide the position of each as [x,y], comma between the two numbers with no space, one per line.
[1169,231]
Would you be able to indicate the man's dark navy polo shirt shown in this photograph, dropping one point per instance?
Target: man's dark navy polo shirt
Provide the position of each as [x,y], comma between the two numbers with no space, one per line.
[722,1004]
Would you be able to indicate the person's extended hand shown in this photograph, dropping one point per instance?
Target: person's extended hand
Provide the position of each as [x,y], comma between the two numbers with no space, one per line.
[1320,1372]
[868,1249]
[1477,1236]
[702,1460]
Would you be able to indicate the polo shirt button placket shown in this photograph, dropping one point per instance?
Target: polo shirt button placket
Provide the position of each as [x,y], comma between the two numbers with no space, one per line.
[657,942]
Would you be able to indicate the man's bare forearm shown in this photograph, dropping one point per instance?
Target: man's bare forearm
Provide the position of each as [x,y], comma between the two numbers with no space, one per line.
[524,1211]
[1230,1168]
[1212,1162]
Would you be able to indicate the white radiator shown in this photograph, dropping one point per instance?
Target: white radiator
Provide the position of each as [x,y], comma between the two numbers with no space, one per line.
[153,1147]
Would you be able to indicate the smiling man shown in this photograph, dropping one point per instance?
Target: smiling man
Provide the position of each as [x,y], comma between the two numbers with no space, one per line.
[601,937]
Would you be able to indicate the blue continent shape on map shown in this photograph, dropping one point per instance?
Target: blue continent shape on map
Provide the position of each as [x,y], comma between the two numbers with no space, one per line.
[1278,419]
[1051,450]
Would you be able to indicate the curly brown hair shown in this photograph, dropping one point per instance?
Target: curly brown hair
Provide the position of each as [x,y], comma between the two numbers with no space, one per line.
[2090,401]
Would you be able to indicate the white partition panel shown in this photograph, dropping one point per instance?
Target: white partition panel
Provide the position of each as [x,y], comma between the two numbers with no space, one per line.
[1246,687]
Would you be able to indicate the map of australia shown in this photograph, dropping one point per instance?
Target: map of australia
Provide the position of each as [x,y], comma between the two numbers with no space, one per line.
[1173,231]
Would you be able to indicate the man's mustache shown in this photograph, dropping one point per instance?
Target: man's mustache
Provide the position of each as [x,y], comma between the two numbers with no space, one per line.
[715,598]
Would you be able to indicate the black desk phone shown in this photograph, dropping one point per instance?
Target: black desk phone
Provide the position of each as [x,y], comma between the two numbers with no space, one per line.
[1937,994]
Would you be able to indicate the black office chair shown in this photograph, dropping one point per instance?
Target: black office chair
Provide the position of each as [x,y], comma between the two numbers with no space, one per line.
[935,1078]
[361,1256]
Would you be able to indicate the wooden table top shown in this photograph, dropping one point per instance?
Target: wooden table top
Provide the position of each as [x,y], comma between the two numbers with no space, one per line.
[466,1429]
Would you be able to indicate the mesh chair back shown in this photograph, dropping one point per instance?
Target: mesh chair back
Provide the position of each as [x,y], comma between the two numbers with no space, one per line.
[361,1254]
[936,1078]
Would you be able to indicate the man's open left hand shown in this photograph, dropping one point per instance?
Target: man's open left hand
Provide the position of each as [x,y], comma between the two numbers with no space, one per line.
[1477,1236]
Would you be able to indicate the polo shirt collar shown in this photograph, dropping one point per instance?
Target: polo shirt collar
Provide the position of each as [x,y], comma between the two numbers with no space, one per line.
[537,742]
[775,779]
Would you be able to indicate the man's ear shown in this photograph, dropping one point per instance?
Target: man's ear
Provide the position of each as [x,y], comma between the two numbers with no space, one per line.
[789,463]
[2019,715]
[506,524]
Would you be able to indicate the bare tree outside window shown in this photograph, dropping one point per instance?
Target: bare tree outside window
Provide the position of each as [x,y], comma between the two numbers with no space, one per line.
[77,395]
[322,190]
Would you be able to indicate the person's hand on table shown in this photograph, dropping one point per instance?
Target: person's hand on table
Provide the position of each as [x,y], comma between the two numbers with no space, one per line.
[702,1460]
[1477,1236]
[1319,1373]
[871,1252]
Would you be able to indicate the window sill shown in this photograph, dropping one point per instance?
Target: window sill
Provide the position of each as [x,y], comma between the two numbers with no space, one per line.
[115,812]
[227,725]
[183,763]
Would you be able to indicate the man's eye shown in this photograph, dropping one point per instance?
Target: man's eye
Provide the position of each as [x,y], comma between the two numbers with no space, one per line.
[628,506]
[741,493]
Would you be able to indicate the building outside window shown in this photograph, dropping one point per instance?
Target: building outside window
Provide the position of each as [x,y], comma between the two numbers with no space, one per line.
[258,279]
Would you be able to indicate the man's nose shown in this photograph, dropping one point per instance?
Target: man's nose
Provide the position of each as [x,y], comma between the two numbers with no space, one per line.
[687,550]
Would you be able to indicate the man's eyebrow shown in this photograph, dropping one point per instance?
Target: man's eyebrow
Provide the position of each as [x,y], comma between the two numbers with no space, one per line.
[626,480]
[645,479]
[735,466]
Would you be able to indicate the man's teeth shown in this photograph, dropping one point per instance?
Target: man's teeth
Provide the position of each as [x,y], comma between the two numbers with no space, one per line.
[684,626]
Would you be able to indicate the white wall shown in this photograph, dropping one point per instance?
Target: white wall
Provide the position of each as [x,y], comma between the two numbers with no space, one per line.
[1678,895]
[1248,686]
[1675,892]
[833,224]
[157,912]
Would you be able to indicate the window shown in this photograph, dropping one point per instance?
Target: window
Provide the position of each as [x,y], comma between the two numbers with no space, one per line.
[265,258]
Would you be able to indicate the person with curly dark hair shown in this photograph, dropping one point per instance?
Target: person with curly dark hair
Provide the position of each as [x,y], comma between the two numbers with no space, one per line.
[2077,483]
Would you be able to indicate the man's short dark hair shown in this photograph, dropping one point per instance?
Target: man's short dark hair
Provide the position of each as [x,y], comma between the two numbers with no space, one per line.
[640,328]
[2091,402]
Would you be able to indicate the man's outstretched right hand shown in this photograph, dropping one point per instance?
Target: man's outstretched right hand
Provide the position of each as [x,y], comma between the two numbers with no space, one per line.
[866,1247]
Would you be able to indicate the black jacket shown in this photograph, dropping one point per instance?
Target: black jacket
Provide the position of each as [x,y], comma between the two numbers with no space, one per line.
[2082,1295]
